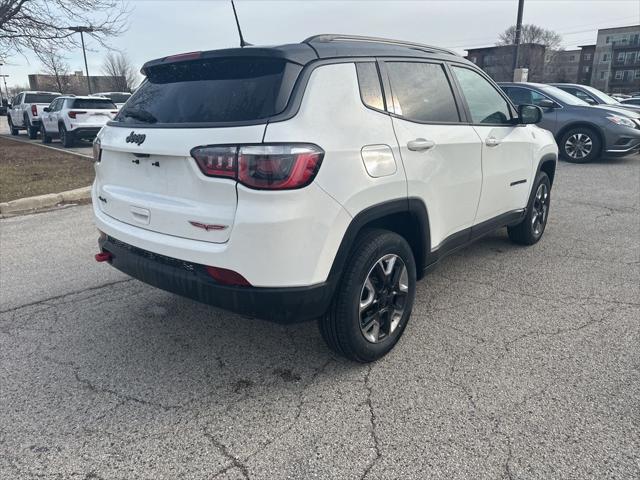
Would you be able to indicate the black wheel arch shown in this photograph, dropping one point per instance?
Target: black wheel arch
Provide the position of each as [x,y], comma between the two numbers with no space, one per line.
[408,217]
[579,124]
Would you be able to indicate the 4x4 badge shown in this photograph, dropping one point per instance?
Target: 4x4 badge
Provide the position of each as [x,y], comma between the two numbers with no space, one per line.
[136,138]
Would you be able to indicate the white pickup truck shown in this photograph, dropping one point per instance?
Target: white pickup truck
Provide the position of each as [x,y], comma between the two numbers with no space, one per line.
[26,111]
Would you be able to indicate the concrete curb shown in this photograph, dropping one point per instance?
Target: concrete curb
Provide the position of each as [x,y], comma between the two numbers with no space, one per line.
[25,205]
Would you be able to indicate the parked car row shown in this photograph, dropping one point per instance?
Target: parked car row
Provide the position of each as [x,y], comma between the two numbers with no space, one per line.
[67,117]
[583,131]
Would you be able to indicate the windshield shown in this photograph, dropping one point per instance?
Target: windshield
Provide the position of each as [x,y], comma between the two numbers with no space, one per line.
[212,90]
[40,97]
[601,95]
[562,96]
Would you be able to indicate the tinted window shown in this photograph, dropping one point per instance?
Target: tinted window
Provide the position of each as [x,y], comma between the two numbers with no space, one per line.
[369,81]
[421,92]
[525,96]
[486,105]
[93,104]
[39,98]
[212,90]
[118,97]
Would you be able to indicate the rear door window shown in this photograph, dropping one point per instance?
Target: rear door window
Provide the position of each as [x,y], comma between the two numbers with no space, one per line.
[421,92]
[369,82]
[216,90]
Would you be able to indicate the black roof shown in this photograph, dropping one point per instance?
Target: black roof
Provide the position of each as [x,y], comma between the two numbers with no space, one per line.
[322,47]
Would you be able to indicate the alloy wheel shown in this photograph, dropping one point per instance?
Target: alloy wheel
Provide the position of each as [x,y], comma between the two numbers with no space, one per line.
[383,298]
[540,209]
[578,146]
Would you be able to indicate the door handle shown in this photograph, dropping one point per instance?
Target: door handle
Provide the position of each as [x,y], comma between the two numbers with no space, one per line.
[492,142]
[420,144]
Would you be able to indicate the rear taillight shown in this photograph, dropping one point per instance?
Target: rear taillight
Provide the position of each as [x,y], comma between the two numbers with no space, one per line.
[34,110]
[97,150]
[73,113]
[264,166]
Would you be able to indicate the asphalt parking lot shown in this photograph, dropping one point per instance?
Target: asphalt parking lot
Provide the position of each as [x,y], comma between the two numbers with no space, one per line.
[518,363]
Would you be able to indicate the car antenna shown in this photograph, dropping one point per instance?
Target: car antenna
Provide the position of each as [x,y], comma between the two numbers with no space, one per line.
[235,14]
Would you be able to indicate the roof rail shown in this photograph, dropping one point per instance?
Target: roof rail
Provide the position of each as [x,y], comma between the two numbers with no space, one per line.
[325,37]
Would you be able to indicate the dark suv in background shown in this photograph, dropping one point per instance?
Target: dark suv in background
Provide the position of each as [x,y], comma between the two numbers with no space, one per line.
[593,96]
[583,132]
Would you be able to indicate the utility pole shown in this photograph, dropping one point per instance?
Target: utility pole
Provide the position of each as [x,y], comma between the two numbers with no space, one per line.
[4,77]
[84,53]
[518,35]
[1,89]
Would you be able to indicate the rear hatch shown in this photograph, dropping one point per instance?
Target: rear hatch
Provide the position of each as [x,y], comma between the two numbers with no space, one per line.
[39,101]
[91,111]
[146,175]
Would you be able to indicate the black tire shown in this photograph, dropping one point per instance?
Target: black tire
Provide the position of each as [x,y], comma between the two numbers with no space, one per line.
[45,138]
[14,131]
[66,137]
[31,130]
[582,138]
[341,326]
[530,230]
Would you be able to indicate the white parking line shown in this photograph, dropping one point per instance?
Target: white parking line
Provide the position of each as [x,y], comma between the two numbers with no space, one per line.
[38,144]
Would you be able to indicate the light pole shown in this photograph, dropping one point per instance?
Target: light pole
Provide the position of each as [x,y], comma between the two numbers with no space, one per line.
[84,53]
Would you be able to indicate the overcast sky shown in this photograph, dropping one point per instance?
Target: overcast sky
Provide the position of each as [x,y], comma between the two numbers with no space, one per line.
[158,28]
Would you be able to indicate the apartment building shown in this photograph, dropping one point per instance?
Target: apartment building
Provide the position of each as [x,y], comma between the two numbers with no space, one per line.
[616,66]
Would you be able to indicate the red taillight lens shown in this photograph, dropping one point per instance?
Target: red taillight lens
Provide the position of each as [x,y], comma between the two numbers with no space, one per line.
[227,277]
[264,167]
[73,113]
[34,110]
[217,161]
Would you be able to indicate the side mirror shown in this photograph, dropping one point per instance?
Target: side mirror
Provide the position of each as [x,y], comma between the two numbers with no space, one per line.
[546,103]
[589,100]
[528,114]
[46,109]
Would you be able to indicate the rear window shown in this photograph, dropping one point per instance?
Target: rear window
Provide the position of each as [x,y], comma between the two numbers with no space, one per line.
[212,91]
[93,104]
[39,97]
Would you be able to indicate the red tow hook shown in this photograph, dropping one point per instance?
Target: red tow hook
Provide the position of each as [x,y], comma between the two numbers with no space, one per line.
[103,256]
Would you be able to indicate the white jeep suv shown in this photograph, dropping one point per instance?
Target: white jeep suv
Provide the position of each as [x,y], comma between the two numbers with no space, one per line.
[69,118]
[315,180]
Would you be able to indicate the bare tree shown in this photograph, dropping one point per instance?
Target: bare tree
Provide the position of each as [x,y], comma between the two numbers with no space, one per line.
[531,34]
[38,25]
[54,64]
[118,66]
[532,58]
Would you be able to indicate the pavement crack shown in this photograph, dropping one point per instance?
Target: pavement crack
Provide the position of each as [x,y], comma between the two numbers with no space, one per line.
[121,396]
[64,295]
[235,461]
[373,421]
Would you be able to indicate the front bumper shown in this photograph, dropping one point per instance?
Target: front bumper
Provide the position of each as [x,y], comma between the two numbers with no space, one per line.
[625,141]
[279,304]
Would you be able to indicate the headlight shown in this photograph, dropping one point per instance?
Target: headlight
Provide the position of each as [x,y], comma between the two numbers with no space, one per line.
[625,122]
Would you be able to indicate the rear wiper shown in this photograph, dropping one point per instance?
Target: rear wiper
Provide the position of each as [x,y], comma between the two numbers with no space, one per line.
[141,115]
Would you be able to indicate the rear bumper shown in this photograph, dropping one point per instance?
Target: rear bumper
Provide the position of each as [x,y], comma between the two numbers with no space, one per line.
[279,304]
[85,132]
